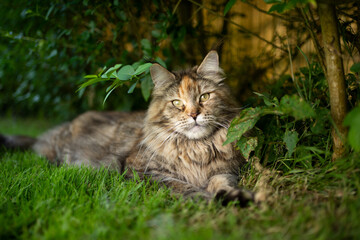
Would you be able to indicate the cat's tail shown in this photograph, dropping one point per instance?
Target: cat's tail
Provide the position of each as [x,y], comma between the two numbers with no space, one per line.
[16,142]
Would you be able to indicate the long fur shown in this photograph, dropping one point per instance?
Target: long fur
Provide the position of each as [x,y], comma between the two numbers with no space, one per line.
[179,146]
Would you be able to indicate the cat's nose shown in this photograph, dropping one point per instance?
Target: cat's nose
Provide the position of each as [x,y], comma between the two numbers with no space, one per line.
[194,115]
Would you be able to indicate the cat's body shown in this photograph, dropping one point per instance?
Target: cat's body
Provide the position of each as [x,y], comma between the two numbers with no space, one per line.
[178,141]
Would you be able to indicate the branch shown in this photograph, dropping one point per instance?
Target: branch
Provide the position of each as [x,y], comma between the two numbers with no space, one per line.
[334,75]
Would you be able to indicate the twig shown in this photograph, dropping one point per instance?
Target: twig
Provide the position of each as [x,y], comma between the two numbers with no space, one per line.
[315,40]
[176,6]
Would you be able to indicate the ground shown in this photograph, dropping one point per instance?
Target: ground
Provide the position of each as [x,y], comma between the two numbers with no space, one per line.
[42,201]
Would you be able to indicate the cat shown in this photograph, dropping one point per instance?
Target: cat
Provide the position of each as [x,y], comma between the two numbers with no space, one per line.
[178,141]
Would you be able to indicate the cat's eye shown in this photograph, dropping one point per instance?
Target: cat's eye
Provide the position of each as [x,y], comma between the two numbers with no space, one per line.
[204,97]
[178,103]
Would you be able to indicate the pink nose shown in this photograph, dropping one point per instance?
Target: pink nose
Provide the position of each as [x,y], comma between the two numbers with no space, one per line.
[193,115]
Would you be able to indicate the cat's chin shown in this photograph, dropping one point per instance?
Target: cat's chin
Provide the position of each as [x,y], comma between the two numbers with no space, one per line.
[197,132]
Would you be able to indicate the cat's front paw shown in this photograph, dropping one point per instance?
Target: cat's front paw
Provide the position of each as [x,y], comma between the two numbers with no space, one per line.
[240,196]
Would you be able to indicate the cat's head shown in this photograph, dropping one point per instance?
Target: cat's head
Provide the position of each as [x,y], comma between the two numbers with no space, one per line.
[193,103]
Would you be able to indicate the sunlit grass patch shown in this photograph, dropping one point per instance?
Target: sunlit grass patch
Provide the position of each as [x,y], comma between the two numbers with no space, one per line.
[42,201]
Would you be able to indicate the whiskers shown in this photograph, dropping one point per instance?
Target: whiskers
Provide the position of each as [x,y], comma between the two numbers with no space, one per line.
[218,122]
[237,108]
[160,140]
[218,125]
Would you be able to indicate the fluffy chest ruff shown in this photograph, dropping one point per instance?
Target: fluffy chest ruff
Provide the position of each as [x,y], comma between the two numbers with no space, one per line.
[191,161]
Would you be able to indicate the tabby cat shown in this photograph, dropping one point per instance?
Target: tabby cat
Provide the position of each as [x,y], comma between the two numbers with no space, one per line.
[178,141]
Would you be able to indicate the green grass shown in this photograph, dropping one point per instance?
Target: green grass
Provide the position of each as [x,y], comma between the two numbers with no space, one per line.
[28,127]
[41,201]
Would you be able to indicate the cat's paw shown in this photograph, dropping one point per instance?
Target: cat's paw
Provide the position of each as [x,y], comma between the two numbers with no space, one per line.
[242,197]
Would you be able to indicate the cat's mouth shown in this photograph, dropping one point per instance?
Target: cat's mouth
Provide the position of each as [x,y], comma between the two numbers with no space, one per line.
[197,131]
[196,127]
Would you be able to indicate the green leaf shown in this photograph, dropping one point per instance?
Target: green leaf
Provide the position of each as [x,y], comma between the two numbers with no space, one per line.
[290,139]
[246,145]
[142,68]
[352,120]
[101,72]
[239,125]
[90,76]
[280,7]
[107,95]
[135,65]
[228,6]
[355,67]
[292,4]
[296,107]
[111,70]
[115,84]
[266,99]
[132,87]
[90,82]
[125,73]
[146,86]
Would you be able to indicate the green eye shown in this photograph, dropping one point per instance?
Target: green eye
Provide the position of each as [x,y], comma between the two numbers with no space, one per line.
[204,97]
[178,103]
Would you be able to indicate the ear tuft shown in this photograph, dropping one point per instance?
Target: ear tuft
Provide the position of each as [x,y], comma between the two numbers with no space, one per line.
[160,75]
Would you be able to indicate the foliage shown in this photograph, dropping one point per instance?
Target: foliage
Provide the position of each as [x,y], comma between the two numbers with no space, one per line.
[355,67]
[289,126]
[228,6]
[46,48]
[294,132]
[292,116]
[120,75]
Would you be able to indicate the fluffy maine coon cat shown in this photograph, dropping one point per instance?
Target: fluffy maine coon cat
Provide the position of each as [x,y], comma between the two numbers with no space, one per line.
[178,141]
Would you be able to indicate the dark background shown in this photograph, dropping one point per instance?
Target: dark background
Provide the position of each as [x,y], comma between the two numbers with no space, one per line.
[47,47]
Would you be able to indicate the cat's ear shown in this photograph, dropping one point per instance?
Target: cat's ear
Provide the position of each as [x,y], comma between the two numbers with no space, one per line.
[209,68]
[209,64]
[160,76]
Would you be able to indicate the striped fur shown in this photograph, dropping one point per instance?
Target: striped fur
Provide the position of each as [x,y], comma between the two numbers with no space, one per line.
[178,141]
